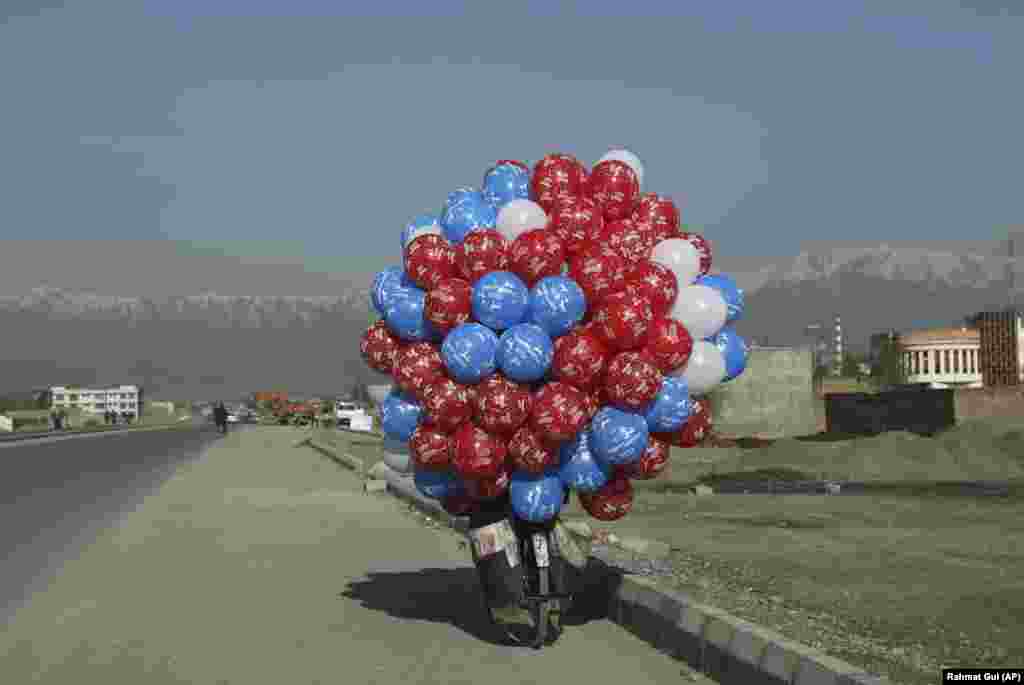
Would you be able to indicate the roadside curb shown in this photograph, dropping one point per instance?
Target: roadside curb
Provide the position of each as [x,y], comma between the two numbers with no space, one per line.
[6,438]
[725,648]
[345,460]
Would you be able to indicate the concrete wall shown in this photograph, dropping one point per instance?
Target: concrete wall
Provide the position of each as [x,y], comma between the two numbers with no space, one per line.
[773,398]
[998,402]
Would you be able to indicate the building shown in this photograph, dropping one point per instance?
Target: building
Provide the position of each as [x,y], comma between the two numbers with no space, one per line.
[951,356]
[827,343]
[837,346]
[123,399]
[1002,345]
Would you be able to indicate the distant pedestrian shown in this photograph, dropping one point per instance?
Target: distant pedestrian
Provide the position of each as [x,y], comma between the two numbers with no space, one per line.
[220,417]
[62,420]
[53,419]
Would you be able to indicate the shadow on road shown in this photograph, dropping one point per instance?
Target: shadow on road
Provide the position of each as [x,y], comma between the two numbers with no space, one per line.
[453,595]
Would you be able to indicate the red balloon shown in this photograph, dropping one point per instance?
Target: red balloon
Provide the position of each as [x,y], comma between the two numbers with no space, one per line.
[632,240]
[696,429]
[536,254]
[489,487]
[593,404]
[502,406]
[669,344]
[652,463]
[632,380]
[519,164]
[480,253]
[623,320]
[447,404]
[615,189]
[379,347]
[577,221]
[429,259]
[598,274]
[430,448]
[555,178]
[461,504]
[476,453]
[579,359]
[417,366]
[660,213]
[611,502]
[703,249]
[559,412]
[530,453]
[449,304]
[656,283]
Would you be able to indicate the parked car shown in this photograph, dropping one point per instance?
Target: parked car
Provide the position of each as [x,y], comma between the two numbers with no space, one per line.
[346,411]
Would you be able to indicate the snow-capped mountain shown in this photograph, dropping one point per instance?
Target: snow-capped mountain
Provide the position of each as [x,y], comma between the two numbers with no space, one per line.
[183,344]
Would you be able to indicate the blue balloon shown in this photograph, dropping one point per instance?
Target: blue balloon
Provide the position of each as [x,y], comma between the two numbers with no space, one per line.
[618,437]
[556,304]
[506,182]
[417,226]
[399,416]
[405,315]
[525,352]
[731,293]
[438,484]
[579,468]
[536,498]
[386,284]
[500,300]
[734,349]
[470,352]
[466,210]
[671,406]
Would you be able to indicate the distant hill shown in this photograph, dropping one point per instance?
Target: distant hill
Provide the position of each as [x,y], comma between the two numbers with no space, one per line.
[209,345]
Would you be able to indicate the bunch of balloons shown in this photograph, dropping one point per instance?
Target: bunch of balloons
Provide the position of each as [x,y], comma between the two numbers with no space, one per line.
[552,330]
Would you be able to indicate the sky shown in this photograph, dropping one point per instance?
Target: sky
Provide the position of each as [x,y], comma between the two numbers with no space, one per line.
[313,131]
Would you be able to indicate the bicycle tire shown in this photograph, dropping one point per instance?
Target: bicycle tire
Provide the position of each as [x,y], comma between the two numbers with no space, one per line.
[541,611]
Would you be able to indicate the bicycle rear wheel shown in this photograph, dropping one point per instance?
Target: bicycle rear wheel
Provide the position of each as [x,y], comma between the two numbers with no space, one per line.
[541,610]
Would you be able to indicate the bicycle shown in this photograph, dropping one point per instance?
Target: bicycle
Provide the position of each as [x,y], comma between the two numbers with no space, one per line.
[544,592]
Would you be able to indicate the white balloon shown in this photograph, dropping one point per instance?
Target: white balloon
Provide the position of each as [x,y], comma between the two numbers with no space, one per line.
[701,309]
[681,258]
[424,230]
[397,456]
[628,158]
[704,370]
[520,216]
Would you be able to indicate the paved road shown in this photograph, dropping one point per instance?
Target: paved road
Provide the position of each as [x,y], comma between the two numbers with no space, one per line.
[56,493]
[263,563]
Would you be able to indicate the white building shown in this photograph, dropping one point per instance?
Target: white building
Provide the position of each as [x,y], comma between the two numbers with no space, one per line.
[123,399]
[950,356]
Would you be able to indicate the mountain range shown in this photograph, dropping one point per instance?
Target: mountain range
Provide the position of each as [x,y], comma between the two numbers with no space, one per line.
[220,345]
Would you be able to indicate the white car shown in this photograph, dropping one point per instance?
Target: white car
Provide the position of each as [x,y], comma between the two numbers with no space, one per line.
[348,413]
[233,418]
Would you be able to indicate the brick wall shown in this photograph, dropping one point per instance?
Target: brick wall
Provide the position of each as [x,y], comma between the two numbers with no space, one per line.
[999,402]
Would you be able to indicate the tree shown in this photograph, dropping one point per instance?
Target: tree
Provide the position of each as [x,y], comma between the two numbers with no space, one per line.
[889,369]
[851,365]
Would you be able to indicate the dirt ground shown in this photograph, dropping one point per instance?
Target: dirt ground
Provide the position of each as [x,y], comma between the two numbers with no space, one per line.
[899,585]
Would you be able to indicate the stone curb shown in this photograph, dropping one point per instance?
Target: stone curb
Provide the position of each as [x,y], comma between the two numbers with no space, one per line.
[727,649]
[346,460]
[6,438]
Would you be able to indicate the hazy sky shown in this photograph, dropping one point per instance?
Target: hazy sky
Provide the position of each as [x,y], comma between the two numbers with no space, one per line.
[772,123]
